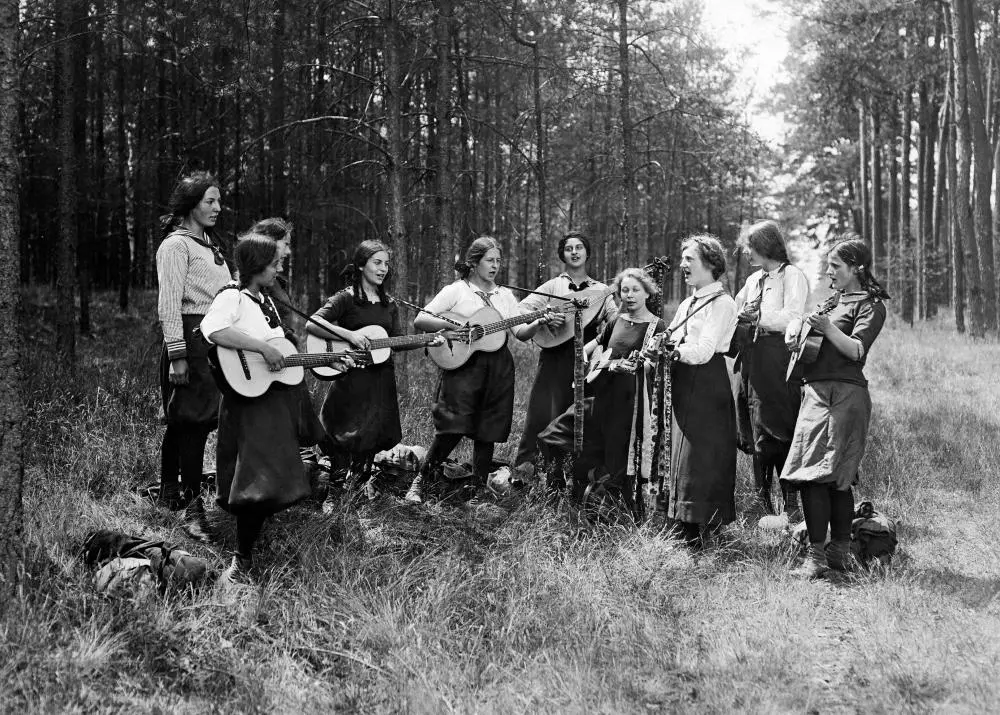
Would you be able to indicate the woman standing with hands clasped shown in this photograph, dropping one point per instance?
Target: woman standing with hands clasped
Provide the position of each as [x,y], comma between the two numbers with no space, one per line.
[190,270]
[703,462]
[832,426]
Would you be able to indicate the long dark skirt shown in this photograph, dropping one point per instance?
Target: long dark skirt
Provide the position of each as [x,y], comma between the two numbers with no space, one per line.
[773,401]
[703,463]
[551,394]
[196,403]
[477,399]
[361,410]
[607,431]
[257,458]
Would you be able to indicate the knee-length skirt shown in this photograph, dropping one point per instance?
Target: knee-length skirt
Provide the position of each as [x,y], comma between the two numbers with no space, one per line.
[477,399]
[830,434]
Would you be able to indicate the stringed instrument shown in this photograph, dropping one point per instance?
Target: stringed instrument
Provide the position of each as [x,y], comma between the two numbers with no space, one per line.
[490,334]
[379,349]
[246,372]
[590,302]
[808,343]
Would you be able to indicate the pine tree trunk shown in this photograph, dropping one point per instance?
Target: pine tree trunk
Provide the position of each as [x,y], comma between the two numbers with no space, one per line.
[863,170]
[630,243]
[442,145]
[11,404]
[121,147]
[279,154]
[67,235]
[877,228]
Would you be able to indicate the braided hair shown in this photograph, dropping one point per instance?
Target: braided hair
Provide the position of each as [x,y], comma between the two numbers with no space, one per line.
[855,252]
[354,271]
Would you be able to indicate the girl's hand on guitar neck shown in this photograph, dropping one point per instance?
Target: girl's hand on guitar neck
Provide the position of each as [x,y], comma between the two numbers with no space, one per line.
[553,318]
[820,323]
[178,372]
[626,365]
[438,339]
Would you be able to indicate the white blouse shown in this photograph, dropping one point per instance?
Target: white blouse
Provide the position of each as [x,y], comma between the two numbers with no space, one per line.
[241,310]
[461,298]
[785,295]
[709,329]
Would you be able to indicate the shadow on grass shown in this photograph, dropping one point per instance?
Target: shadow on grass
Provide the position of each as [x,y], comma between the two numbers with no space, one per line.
[971,591]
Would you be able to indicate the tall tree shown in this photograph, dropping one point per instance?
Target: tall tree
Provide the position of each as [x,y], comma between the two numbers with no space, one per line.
[68,194]
[11,410]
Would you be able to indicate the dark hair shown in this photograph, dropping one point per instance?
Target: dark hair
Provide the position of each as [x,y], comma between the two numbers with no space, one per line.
[855,252]
[254,253]
[765,238]
[354,271]
[561,248]
[474,254]
[709,250]
[274,227]
[187,194]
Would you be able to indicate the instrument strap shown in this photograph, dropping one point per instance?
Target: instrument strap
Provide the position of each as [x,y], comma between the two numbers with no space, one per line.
[429,312]
[536,292]
[578,380]
[299,312]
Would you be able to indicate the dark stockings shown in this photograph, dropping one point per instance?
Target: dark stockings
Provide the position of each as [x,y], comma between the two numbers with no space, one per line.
[182,454]
[826,506]
[248,528]
[444,444]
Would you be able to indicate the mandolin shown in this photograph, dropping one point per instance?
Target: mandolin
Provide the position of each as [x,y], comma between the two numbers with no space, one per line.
[808,342]
[490,334]
[247,373]
[379,349]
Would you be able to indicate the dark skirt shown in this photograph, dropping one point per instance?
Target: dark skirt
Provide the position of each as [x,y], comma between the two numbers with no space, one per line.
[607,431]
[257,458]
[703,463]
[361,410]
[196,403]
[773,401]
[477,399]
[551,394]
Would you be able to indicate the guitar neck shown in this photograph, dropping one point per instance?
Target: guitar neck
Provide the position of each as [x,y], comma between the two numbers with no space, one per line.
[314,359]
[400,341]
[511,322]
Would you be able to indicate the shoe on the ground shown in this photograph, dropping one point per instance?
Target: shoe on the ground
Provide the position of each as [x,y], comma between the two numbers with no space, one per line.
[238,572]
[814,565]
[329,503]
[773,522]
[838,555]
[415,494]
[169,496]
[196,522]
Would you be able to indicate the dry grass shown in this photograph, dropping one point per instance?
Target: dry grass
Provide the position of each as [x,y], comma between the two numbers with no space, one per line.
[386,608]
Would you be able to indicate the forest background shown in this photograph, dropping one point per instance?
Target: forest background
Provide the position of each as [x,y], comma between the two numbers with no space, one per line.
[426,123]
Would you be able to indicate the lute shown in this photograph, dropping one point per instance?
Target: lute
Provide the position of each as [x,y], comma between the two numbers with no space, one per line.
[808,342]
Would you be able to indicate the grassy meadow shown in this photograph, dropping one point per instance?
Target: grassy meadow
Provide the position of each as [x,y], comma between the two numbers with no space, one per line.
[383,607]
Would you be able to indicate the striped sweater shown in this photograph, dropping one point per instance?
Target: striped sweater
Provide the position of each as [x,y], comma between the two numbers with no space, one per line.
[189,278]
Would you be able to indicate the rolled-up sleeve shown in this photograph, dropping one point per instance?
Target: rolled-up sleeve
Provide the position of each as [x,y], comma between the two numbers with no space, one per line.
[222,314]
[868,324]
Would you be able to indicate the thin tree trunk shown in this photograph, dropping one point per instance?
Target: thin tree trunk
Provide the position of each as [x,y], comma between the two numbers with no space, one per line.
[85,225]
[877,228]
[905,233]
[11,405]
[959,222]
[279,154]
[121,146]
[442,144]
[863,169]
[940,291]
[960,189]
[67,235]
[630,243]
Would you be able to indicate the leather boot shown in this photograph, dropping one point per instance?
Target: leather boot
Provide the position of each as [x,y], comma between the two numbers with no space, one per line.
[814,564]
[422,484]
[838,554]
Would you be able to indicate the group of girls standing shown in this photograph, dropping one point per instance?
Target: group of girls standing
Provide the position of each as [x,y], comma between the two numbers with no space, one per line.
[815,447]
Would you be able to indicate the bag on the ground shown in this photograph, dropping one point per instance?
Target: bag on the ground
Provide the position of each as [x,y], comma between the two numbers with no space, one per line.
[127,561]
[873,536]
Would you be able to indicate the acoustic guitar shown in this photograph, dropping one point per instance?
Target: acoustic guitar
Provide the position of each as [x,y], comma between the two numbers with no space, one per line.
[247,373]
[590,301]
[489,334]
[808,342]
[379,349]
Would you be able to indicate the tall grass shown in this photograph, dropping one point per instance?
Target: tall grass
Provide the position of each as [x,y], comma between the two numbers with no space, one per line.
[387,608]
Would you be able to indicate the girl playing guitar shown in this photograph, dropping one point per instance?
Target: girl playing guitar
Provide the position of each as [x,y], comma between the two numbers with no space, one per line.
[832,425]
[476,399]
[257,455]
[361,409]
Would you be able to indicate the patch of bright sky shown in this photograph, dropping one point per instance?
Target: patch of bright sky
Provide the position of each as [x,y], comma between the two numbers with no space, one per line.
[755,34]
